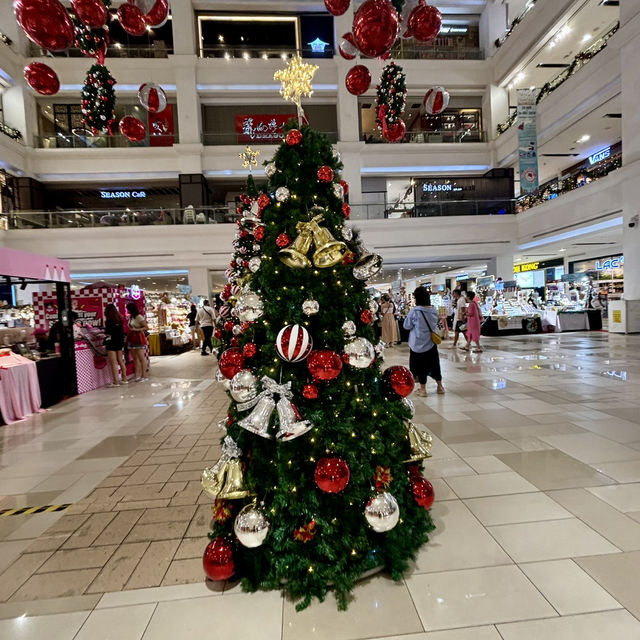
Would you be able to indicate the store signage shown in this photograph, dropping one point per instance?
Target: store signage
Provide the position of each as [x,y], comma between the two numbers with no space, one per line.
[122,195]
[429,187]
[526,266]
[573,277]
[603,154]
[527,140]
[318,46]
[261,127]
[485,281]
[609,264]
[462,276]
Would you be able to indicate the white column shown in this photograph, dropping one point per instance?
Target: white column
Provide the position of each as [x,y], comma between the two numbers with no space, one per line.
[493,23]
[351,172]
[20,111]
[184,28]
[495,109]
[199,281]
[189,110]
[501,266]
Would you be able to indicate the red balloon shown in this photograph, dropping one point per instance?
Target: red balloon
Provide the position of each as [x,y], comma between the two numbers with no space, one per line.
[310,391]
[398,380]
[46,22]
[325,174]
[231,361]
[92,12]
[132,20]
[425,22]
[41,78]
[332,474]
[294,137]
[422,491]
[218,560]
[324,365]
[347,47]
[375,27]
[337,7]
[158,14]
[395,132]
[133,129]
[358,80]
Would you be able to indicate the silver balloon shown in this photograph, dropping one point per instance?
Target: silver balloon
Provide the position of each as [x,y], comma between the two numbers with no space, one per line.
[349,328]
[373,306]
[310,307]
[249,306]
[258,421]
[270,169]
[361,353]
[408,402]
[291,426]
[244,386]
[282,194]
[347,233]
[367,266]
[254,264]
[251,526]
[338,191]
[382,512]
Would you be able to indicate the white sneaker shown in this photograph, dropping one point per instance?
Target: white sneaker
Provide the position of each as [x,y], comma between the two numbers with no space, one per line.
[112,384]
[124,382]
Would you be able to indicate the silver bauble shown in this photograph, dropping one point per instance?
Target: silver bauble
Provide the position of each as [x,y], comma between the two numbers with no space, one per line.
[361,353]
[408,402]
[380,347]
[367,266]
[249,307]
[282,194]
[310,307]
[338,190]
[270,169]
[254,264]
[256,247]
[349,328]
[237,330]
[382,512]
[251,526]
[219,376]
[373,306]
[347,233]
[244,386]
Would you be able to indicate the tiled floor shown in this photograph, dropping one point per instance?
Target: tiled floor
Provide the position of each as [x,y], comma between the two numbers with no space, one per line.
[536,466]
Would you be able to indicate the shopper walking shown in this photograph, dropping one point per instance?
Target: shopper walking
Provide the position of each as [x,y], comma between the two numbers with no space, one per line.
[137,341]
[424,359]
[474,320]
[389,323]
[443,314]
[114,344]
[206,318]
[193,327]
[459,316]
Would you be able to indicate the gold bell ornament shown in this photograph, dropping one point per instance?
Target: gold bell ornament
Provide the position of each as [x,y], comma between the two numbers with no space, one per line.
[420,442]
[224,480]
[295,255]
[329,251]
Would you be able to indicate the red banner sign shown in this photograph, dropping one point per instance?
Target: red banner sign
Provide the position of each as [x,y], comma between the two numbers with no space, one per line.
[262,127]
[161,130]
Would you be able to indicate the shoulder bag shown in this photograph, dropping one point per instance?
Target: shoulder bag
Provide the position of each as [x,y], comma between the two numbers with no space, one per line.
[435,337]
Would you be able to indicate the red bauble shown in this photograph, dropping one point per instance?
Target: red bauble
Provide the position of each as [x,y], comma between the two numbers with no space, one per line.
[41,78]
[217,334]
[133,129]
[357,80]
[258,232]
[132,20]
[425,22]
[325,174]
[231,361]
[263,201]
[398,380]
[92,12]
[310,391]
[294,137]
[234,341]
[375,27]
[395,132]
[249,350]
[324,365]
[332,474]
[283,240]
[46,22]
[218,560]
[337,7]
[345,186]
[366,317]
[346,210]
[347,47]
[228,325]
[422,491]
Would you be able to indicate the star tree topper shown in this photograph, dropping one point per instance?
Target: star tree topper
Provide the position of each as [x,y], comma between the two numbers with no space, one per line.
[249,158]
[296,82]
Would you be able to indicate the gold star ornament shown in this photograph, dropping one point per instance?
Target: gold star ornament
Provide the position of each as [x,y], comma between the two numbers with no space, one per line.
[249,158]
[296,81]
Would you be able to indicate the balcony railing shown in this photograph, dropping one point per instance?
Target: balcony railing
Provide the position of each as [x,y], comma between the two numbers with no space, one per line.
[434,209]
[218,139]
[420,137]
[414,51]
[73,141]
[232,52]
[157,50]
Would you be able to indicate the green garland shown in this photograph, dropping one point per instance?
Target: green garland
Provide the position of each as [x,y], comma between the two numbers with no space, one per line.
[391,95]
[99,100]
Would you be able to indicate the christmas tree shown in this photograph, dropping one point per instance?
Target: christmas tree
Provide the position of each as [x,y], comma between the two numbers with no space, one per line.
[98,100]
[391,101]
[319,480]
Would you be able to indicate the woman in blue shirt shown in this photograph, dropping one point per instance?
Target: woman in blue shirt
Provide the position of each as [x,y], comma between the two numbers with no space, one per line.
[424,359]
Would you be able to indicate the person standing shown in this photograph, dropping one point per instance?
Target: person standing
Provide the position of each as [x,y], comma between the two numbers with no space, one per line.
[389,322]
[137,341]
[114,344]
[424,359]
[195,336]
[459,316]
[474,320]
[206,319]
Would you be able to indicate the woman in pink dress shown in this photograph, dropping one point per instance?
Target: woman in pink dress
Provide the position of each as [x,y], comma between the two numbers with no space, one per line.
[474,319]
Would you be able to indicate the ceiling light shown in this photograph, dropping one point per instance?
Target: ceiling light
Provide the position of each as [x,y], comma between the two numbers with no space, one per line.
[227,56]
[584,138]
[220,38]
[586,37]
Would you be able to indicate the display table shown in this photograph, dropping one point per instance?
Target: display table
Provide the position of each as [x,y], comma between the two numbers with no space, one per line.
[500,325]
[573,321]
[19,388]
[91,370]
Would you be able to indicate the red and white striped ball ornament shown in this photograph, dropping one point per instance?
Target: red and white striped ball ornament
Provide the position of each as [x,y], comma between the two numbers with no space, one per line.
[347,47]
[435,100]
[293,343]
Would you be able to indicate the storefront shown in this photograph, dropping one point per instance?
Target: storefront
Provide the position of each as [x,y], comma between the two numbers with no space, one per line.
[606,274]
[537,275]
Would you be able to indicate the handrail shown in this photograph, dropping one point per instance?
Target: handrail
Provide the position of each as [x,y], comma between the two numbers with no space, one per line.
[219,139]
[252,52]
[102,141]
[461,135]
[116,50]
[411,50]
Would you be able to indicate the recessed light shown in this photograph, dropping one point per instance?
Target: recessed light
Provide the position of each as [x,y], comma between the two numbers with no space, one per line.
[584,138]
[586,37]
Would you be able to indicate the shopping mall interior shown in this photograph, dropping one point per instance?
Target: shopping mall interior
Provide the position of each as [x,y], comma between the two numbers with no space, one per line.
[267,183]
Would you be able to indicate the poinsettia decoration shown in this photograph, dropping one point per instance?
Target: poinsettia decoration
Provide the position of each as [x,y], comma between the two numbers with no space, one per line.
[221,511]
[305,533]
[383,477]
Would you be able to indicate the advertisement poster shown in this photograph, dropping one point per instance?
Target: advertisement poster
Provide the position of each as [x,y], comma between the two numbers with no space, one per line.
[261,127]
[90,310]
[527,141]
[161,130]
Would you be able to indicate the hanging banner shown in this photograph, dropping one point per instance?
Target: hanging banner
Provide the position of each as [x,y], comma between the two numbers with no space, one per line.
[527,141]
[261,127]
[161,130]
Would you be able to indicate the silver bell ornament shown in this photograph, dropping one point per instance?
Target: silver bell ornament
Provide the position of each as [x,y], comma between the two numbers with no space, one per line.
[254,264]
[310,307]
[291,424]
[347,233]
[382,512]
[244,386]
[249,307]
[349,328]
[282,194]
[338,191]
[367,266]
[270,169]
[408,402]
[361,353]
[251,526]
[373,306]
[258,420]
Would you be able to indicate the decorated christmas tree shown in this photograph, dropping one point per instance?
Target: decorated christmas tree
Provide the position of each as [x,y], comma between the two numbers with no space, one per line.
[320,477]
[390,102]
[98,100]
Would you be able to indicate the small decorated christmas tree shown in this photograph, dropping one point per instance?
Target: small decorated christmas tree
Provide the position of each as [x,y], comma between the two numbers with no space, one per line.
[390,102]
[98,100]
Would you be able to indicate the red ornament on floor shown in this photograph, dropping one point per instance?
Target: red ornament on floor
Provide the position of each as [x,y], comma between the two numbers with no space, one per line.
[332,474]
[294,137]
[422,491]
[217,560]
[325,174]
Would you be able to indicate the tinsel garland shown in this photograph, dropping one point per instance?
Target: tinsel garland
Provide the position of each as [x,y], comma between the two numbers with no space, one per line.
[99,100]
[14,134]
[391,95]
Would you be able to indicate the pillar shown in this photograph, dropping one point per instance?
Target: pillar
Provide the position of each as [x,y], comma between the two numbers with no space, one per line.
[199,281]
[184,28]
[495,109]
[20,111]
[501,266]
[493,24]
[352,170]
[189,110]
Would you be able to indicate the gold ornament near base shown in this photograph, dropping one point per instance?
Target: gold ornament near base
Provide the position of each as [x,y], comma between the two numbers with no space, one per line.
[224,480]
[420,441]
